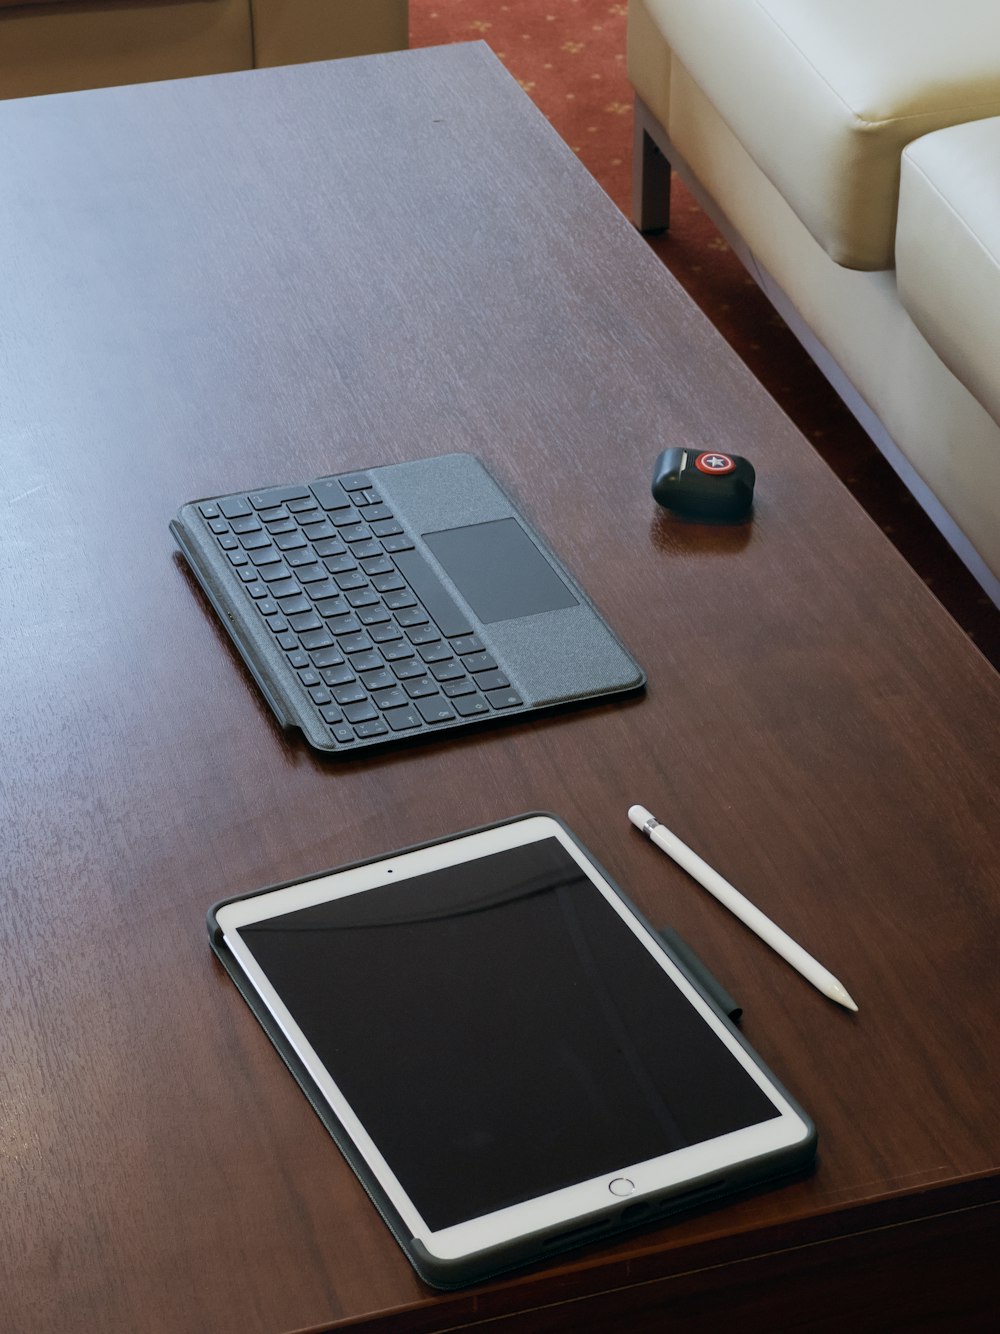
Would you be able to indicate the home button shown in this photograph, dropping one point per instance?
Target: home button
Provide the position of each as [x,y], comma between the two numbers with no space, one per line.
[621,1186]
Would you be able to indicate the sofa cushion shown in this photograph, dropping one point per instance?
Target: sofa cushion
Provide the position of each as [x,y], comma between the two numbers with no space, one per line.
[824,95]
[948,250]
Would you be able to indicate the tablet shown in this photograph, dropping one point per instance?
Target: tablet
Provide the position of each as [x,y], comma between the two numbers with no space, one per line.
[505,1051]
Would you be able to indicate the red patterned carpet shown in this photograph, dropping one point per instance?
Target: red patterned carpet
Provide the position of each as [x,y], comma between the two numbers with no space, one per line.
[569,56]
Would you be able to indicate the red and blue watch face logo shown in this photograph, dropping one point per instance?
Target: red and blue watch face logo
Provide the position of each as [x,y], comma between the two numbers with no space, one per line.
[714,463]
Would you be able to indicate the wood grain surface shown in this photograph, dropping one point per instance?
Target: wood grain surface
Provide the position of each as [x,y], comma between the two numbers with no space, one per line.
[264,277]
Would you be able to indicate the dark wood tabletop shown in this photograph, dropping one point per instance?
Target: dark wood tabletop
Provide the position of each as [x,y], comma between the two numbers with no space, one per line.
[265,277]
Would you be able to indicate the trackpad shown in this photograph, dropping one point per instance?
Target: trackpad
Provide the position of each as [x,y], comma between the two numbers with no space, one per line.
[499,571]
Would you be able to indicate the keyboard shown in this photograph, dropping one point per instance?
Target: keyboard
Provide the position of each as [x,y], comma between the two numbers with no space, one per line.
[348,629]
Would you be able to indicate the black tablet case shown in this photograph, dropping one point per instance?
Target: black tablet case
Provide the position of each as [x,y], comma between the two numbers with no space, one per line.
[526,1250]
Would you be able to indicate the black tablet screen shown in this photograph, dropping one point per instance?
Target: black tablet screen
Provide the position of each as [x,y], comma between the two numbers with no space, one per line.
[500,1032]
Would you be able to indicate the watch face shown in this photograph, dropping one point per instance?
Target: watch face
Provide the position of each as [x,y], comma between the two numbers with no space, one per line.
[715,464]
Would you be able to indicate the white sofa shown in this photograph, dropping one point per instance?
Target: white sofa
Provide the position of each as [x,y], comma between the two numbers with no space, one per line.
[849,150]
[58,46]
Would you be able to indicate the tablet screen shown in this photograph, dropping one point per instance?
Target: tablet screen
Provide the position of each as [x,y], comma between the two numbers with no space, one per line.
[500,1031]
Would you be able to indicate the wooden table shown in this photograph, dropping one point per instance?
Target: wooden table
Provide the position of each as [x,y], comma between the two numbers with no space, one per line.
[264,277]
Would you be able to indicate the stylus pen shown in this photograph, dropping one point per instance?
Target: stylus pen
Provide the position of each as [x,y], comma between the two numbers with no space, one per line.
[783,944]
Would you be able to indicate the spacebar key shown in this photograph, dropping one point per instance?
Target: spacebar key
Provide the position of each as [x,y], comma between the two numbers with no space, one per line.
[451,620]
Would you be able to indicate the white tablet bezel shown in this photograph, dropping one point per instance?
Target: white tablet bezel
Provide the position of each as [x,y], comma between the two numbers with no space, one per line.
[657,1177]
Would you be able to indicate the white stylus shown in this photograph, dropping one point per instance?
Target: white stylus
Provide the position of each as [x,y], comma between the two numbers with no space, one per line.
[742,908]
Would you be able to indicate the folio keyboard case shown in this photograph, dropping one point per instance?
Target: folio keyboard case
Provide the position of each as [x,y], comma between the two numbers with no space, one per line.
[524,1251]
[476,555]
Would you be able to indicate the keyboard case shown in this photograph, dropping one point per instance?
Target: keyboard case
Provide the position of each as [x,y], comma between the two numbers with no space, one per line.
[550,659]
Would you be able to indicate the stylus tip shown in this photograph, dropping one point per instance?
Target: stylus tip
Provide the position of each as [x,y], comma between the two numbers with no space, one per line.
[639,816]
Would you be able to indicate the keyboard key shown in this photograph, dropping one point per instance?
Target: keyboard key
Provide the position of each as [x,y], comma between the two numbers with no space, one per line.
[344,626]
[471,705]
[342,732]
[330,493]
[330,713]
[277,623]
[343,518]
[265,556]
[294,605]
[406,670]
[342,563]
[360,712]
[267,607]
[368,660]
[276,495]
[338,676]
[355,643]
[374,728]
[234,507]
[254,541]
[331,546]
[351,579]
[491,680]
[402,719]
[351,693]
[257,589]
[385,583]
[218,525]
[228,543]
[384,634]
[285,588]
[316,639]
[322,588]
[302,506]
[282,527]
[320,695]
[379,565]
[389,699]
[367,548]
[398,599]
[451,620]
[467,644]
[248,574]
[289,541]
[447,671]
[436,710]
[316,531]
[209,509]
[271,571]
[327,657]
[331,606]
[298,659]
[355,532]
[369,512]
[287,640]
[367,497]
[396,652]
[362,597]
[298,559]
[309,676]
[394,544]
[372,615]
[412,616]
[480,662]
[503,699]
[386,528]
[355,481]
[419,686]
[306,620]
[380,679]
[465,686]
[311,574]
[276,512]
[439,652]
[251,524]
